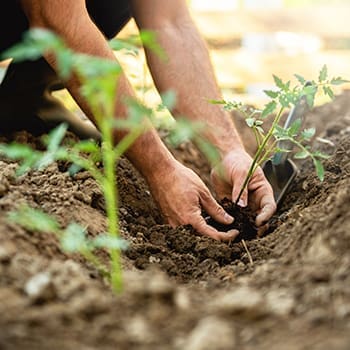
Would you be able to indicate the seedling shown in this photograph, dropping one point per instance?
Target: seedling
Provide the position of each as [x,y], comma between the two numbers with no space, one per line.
[98,79]
[282,98]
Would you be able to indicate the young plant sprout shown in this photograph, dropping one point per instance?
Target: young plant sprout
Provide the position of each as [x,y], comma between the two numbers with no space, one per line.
[284,97]
[98,79]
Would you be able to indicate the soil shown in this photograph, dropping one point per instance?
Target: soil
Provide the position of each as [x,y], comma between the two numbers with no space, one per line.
[181,290]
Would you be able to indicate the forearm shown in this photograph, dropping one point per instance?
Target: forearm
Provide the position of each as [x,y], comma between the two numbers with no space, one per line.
[147,153]
[189,72]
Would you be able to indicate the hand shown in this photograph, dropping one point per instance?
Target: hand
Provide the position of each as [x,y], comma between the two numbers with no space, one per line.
[181,194]
[228,178]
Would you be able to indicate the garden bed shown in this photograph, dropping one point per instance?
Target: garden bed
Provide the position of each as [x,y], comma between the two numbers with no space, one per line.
[181,290]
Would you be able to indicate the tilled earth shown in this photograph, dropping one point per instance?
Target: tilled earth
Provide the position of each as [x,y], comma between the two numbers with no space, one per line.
[182,291]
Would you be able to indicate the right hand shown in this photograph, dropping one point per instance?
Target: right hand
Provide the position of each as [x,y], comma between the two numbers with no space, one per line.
[181,195]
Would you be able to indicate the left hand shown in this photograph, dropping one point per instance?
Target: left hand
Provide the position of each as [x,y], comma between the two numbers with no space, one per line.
[228,178]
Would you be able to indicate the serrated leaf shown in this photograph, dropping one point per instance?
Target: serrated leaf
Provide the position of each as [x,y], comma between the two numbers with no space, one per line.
[307,134]
[55,137]
[16,151]
[87,146]
[250,122]
[269,109]
[319,169]
[295,127]
[323,74]
[301,79]
[107,241]
[310,92]
[339,81]
[73,238]
[301,155]
[271,93]
[34,220]
[328,91]
[169,99]
[278,81]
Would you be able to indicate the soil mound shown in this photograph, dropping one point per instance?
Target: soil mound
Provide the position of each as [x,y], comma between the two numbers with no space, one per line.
[182,291]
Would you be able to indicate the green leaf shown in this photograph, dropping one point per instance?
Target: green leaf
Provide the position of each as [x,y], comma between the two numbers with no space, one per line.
[301,155]
[310,92]
[149,40]
[120,44]
[269,109]
[250,122]
[271,93]
[321,155]
[301,79]
[278,81]
[295,127]
[107,241]
[328,91]
[55,137]
[74,169]
[208,149]
[34,219]
[339,81]
[16,151]
[307,134]
[87,146]
[169,99]
[217,102]
[260,129]
[183,130]
[319,169]
[73,238]
[323,74]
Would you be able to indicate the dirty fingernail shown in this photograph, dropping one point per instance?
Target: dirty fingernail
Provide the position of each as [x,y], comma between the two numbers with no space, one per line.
[232,233]
[228,218]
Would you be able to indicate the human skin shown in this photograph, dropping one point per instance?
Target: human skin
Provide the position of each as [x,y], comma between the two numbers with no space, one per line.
[179,192]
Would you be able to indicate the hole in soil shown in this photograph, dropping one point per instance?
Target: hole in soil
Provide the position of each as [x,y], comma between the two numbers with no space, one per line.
[244,221]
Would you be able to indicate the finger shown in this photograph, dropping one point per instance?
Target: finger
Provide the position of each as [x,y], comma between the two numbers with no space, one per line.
[215,210]
[222,188]
[262,229]
[202,227]
[268,208]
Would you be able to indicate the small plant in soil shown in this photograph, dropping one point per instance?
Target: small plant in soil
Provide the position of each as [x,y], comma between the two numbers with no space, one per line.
[270,141]
[98,79]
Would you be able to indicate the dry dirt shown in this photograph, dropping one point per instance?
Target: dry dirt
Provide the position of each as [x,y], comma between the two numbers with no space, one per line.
[182,291]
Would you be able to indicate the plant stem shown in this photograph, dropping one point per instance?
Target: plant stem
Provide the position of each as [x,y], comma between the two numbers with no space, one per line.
[102,269]
[111,197]
[255,162]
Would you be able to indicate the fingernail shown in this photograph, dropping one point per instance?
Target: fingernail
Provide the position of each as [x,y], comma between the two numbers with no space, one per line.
[242,203]
[232,233]
[228,218]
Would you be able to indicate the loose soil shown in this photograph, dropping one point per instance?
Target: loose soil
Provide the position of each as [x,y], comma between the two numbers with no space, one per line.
[182,290]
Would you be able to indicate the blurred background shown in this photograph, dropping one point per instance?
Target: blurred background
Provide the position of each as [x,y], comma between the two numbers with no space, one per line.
[249,40]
